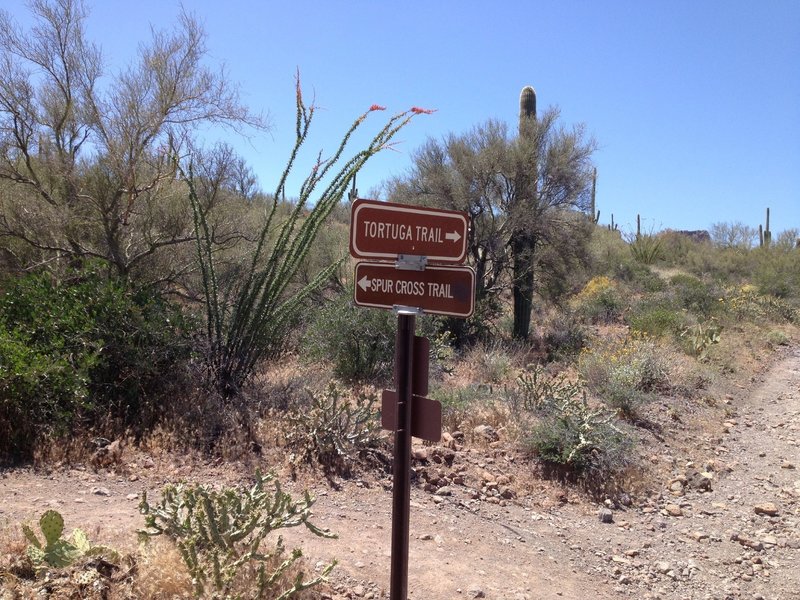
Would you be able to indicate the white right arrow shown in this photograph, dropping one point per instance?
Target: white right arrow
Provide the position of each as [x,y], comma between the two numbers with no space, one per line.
[364,283]
[453,237]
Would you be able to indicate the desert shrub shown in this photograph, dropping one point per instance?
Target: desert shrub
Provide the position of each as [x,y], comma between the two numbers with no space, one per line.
[459,404]
[599,301]
[639,277]
[607,250]
[635,362]
[586,441]
[624,398]
[778,338]
[221,534]
[86,349]
[41,393]
[623,375]
[692,294]
[359,342]
[777,272]
[746,303]
[677,247]
[725,265]
[655,318]
[564,336]
[334,429]
[489,362]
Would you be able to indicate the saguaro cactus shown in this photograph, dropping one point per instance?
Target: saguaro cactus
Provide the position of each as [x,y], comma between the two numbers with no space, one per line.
[527,106]
[523,237]
[764,233]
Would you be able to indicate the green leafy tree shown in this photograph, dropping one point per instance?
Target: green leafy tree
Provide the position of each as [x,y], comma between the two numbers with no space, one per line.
[86,158]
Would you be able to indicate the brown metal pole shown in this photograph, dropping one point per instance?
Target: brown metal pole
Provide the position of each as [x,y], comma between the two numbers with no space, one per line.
[401,474]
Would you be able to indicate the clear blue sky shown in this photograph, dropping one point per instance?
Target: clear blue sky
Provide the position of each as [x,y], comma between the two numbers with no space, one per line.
[695,104]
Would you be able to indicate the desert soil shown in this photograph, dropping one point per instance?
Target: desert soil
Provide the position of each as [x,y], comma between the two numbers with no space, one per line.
[724,526]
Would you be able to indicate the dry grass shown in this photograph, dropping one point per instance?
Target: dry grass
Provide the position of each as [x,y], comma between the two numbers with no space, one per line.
[162,574]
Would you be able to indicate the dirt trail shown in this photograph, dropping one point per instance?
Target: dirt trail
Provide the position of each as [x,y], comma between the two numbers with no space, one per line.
[725,529]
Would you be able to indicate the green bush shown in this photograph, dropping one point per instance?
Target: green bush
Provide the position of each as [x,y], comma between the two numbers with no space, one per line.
[777,272]
[359,342]
[655,318]
[41,392]
[623,375]
[584,440]
[85,350]
[692,294]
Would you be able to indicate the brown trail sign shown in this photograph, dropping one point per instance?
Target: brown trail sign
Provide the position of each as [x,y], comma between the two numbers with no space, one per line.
[384,230]
[436,290]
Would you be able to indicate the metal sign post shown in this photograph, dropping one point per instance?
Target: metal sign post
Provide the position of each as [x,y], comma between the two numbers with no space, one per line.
[401,472]
[417,240]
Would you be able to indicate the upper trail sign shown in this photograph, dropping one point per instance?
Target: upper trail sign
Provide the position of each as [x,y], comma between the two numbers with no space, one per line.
[384,230]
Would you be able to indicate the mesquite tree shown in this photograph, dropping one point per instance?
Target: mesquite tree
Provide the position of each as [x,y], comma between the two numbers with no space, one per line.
[526,195]
[85,164]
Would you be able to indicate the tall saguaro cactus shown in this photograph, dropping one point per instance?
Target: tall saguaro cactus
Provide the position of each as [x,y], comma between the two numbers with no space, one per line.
[523,237]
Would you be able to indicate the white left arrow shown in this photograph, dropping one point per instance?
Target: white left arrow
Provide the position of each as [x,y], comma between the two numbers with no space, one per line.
[364,283]
[453,237]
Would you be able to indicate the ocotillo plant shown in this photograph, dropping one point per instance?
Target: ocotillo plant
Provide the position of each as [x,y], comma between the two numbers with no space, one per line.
[252,318]
[595,214]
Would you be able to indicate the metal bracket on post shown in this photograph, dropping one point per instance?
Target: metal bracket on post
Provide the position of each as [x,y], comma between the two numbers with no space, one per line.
[407,310]
[411,262]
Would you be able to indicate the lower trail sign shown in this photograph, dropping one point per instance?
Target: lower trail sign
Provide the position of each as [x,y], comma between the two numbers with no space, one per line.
[437,290]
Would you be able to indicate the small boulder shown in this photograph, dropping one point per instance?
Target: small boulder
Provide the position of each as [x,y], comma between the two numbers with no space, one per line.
[766,508]
[486,432]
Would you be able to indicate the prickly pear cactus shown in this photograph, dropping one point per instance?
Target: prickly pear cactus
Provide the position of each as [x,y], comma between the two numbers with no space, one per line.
[58,552]
[52,524]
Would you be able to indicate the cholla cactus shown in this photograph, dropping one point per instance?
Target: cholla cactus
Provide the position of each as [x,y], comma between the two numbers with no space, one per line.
[220,535]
